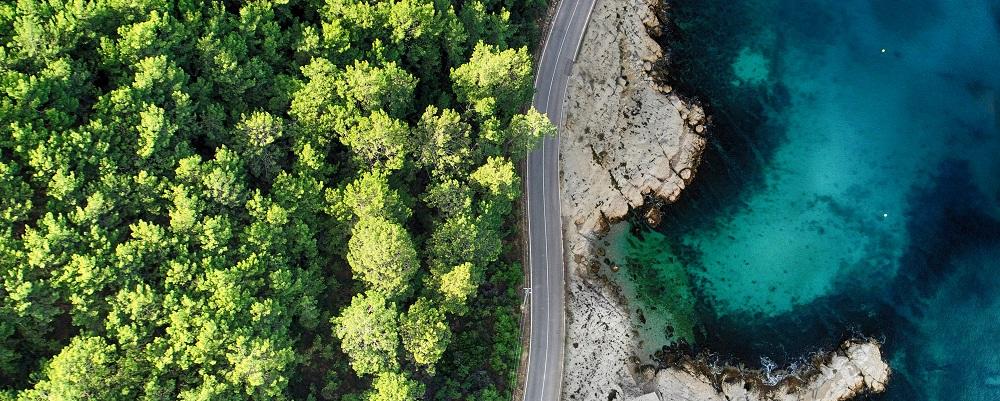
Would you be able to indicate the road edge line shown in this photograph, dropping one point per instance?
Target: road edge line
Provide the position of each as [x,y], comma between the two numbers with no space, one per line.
[583,33]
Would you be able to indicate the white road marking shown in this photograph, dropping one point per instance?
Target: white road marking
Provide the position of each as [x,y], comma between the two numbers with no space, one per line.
[586,22]
[545,235]
[548,98]
[531,327]
[562,44]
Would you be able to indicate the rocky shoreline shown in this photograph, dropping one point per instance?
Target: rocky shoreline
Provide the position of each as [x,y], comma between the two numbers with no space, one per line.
[855,368]
[630,147]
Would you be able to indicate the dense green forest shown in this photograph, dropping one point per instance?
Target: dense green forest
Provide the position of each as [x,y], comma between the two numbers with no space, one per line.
[269,199]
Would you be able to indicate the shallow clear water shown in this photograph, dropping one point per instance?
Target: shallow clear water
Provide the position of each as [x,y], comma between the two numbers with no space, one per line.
[853,187]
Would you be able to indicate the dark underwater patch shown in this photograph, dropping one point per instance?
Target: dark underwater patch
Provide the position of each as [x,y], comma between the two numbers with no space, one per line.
[946,222]
[946,218]
[741,137]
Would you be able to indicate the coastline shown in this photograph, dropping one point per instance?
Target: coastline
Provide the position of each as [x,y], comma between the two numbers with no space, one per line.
[630,149]
[608,170]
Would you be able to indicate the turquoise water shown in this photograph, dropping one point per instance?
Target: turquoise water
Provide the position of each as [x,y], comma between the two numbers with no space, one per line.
[852,188]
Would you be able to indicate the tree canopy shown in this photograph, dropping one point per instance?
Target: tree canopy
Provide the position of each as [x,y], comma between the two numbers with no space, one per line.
[261,200]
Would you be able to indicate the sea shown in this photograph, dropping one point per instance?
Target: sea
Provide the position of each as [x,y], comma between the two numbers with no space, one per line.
[850,188]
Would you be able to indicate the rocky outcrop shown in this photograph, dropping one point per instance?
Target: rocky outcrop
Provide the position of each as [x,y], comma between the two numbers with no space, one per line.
[633,138]
[627,140]
[857,367]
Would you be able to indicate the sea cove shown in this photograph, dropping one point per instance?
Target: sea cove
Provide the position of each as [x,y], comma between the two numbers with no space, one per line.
[850,187]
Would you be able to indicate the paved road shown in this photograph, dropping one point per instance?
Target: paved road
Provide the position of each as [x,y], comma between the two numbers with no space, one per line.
[545,250]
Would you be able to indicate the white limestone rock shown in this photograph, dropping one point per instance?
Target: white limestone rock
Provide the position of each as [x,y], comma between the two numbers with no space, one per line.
[623,136]
[856,368]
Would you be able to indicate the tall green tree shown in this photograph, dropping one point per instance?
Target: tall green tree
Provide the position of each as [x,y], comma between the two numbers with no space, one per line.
[443,142]
[85,369]
[379,141]
[369,334]
[382,255]
[394,386]
[370,195]
[524,133]
[372,88]
[425,332]
[494,82]
[457,286]
[257,134]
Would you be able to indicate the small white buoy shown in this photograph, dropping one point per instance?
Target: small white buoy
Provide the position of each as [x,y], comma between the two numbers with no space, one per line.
[883,50]
[884,215]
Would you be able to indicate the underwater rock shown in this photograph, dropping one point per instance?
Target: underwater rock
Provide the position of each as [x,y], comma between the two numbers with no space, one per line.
[654,216]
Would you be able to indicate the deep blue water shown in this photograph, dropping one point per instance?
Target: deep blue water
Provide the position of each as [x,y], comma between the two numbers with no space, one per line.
[852,187]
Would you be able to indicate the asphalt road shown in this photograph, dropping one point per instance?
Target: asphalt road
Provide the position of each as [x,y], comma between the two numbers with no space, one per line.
[545,251]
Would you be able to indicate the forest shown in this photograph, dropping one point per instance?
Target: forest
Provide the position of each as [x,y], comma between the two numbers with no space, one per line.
[264,199]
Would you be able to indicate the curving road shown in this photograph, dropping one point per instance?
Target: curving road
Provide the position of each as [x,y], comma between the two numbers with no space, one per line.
[544,372]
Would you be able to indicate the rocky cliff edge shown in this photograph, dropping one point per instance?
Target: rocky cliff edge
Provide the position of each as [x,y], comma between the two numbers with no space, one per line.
[628,142]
